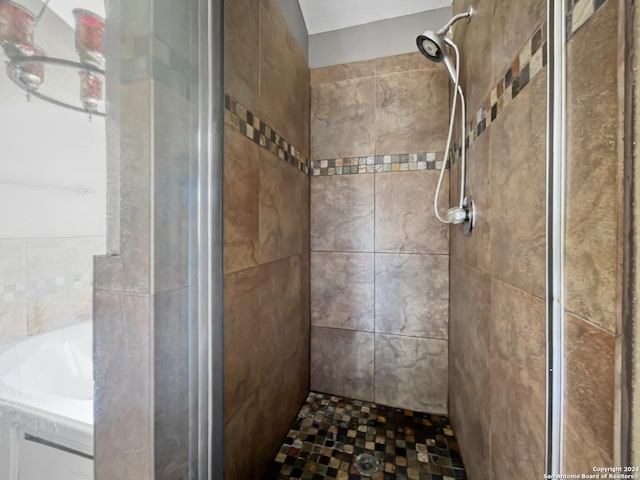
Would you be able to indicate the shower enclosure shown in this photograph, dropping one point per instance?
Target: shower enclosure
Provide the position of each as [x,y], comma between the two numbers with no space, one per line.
[127,243]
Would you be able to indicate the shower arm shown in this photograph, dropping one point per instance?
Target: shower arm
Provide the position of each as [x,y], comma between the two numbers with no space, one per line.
[444,30]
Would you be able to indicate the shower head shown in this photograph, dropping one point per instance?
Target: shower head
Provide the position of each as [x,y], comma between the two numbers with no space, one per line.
[431,46]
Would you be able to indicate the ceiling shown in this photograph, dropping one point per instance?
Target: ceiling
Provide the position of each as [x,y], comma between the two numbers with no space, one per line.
[326,15]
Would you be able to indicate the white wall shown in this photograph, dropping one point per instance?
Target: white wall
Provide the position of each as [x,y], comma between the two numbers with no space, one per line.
[42,143]
[373,40]
[48,236]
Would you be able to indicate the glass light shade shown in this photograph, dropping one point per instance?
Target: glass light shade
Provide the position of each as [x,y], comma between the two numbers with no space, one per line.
[30,74]
[17,25]
[91,91]
[89,37]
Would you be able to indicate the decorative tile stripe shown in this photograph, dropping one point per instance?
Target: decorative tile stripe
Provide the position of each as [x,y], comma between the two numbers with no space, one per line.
[531,59]
[331,433]
[527,64]
[378,164]
[239,118]
[39,288]
[578,12]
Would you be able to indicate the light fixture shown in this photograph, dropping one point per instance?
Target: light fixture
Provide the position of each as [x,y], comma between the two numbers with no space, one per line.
[27,62]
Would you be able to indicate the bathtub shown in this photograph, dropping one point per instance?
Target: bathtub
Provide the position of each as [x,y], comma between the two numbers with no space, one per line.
[46,406]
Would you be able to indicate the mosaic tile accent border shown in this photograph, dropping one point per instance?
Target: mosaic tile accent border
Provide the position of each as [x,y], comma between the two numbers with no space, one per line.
[531,59]
[42,287]
[331,432]
[248,124]
[378,164]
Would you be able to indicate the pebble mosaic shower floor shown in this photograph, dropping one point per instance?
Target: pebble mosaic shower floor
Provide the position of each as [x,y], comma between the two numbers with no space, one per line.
[331,434]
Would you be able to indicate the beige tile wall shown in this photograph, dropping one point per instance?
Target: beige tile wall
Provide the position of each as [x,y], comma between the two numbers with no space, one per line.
[379,260]
[497,287]
[46,284]
[266,240]
[594,233]
[497,315]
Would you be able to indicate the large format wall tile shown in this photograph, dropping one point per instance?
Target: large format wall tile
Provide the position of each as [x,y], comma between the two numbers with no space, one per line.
[412,112]
[517,383]
[512,24]
[171,383]
[475,250]
[130,271]
[241,319]
[345,71]
[55,257]
[589,396]
[342,362]
[13,268]
[284,78]
[594,172]
[342,213]
[241,180]
[279,329]
[60,309]
[517,211]
[123,415]
[469,335]
[474,38]
[411,373]
[404,63]
[241,441]
[241,24]
[283,209]
[404,221]
[412,294]
[342,290]
[343,119]
[13,262]
[13,321]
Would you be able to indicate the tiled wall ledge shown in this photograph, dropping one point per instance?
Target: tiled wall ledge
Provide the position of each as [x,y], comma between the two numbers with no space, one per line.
[239,118]
[378,164]
[527,64]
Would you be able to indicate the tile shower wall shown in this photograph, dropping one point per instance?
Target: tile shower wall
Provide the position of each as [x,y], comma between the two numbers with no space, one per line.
[379,259]
[45,284]
[594,233]
[141,307]
[497,322]
[266,234]
[497,315]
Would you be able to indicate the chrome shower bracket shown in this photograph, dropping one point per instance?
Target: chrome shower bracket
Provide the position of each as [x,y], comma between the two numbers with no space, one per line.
[470,219]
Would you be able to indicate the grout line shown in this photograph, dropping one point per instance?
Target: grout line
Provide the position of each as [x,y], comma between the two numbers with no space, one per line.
[375,186]
[423,337]
[381,252]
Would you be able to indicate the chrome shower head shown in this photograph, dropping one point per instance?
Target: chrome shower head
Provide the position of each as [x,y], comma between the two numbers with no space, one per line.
[431,46]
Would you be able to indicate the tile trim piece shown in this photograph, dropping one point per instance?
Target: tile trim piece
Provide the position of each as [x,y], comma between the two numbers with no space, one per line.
[404,162]
[530,61]
[238,117]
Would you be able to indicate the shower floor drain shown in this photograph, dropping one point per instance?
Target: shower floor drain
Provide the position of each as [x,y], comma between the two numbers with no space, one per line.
[367,464]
